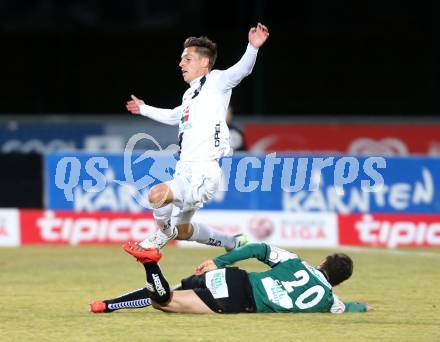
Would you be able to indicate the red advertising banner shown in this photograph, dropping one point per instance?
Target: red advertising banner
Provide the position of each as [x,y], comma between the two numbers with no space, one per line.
[390,230]
[72,228]
[353,139]
[283,229]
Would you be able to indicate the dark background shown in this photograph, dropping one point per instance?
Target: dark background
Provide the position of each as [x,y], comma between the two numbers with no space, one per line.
[323,57]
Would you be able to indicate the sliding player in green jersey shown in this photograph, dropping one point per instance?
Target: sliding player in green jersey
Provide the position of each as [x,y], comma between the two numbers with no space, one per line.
[290,285]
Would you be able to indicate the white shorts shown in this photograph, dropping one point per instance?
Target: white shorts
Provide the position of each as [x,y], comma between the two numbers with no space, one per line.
[194,183]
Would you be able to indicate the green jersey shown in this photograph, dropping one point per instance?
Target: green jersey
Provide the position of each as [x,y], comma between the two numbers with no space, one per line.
[291,285]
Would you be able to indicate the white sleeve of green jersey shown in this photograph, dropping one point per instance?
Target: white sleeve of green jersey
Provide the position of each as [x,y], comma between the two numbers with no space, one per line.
[270,255]
[278,255]
[338,306]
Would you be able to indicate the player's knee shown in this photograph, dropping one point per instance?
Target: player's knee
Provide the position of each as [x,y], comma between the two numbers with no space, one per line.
[159,195]
[158,306]
[162,299]
[185,231]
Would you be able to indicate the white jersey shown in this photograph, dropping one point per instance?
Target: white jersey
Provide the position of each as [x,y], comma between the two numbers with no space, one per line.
[203,133]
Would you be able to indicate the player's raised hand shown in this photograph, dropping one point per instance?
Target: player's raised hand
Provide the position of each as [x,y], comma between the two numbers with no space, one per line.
[205,266]
[134,105]
[258,35]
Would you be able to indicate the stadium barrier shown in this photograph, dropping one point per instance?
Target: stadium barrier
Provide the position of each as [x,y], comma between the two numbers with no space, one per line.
[42,137]
[349,139]
[71,133]
[110,135]
[23,227]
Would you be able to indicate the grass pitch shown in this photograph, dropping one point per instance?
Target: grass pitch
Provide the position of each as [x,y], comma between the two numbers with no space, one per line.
[45,293]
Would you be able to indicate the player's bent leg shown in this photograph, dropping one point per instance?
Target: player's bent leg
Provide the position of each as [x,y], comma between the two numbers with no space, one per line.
[160,198]
[202,233]
[185,301]
[131,300]
[184,231]
[160,195]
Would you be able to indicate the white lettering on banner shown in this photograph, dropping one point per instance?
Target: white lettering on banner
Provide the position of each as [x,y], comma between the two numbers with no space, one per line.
[387,146]
[104,143]
[424,194]
[394,234]
[298,230]
[398,196]
[37,146]
[276,228]
[76,230]
[9,228]
[434,148]
[118,198]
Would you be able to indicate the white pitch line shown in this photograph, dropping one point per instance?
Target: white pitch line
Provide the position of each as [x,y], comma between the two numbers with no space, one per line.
[392,251]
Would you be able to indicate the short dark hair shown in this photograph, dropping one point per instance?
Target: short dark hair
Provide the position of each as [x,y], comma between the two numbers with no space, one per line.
[204,46]
[337,267]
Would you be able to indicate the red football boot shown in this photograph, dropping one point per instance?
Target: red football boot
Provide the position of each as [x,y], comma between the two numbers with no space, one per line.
[142,255]
[97,306]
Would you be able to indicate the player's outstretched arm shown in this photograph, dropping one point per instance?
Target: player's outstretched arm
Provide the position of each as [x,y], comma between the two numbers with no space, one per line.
[205,266]
[339,306]
[258,35]
[357,307]
[134,105]
[265,253]
[231,77]
[167,116]
[252,250]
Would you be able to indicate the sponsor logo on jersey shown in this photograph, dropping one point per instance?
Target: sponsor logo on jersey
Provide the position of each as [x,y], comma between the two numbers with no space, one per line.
[184,118]
[217,135]
[216,283]
[185,115]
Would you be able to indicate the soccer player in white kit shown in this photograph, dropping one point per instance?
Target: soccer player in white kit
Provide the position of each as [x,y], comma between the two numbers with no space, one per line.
[203,140]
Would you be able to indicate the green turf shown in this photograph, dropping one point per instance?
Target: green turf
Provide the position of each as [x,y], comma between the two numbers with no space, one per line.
[45,293]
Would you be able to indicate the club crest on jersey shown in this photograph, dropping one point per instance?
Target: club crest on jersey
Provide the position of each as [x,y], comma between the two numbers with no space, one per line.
[185,115]
[184,120]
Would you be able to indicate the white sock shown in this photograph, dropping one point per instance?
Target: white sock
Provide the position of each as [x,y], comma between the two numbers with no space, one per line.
[162,217]
[208,236]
